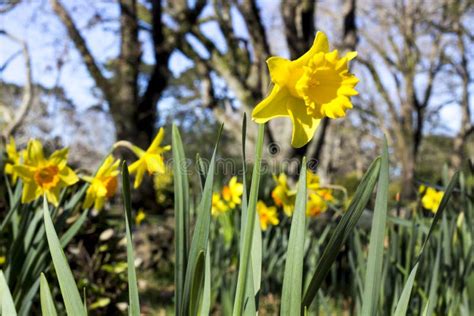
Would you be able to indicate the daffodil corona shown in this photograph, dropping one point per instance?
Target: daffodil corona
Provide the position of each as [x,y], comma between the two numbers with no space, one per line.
[314,86]
[44,176]
[103,185]
[150,160]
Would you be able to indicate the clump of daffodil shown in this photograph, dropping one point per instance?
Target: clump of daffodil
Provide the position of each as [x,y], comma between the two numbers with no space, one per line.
[218,205]
[314,86]
[13,158]
[268,215]
[318,197]
[282,195]
[150,160]
[103,185]
[431,198]
[44,176]
[140,217]
[232,192]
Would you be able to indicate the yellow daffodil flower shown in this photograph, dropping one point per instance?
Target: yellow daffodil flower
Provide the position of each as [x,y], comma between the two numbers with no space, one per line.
[103,185]
[150,160]
[42,175]
[2,260]
[282,195]
[218,205]
[317,202]
[314,86]
[232,192]
[140,217]
[268,215]
[13,157]
[312,180]
[431,198]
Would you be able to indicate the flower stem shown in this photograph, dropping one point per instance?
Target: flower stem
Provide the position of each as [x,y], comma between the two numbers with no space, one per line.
[249,226]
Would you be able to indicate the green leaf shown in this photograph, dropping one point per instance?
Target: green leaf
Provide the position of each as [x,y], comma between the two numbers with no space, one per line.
[293,277]
[342,231]
[194,279]
[7,307]
[72,231]
[404,300]
[432,298]
[70,293]
[47,303]
[181,204]
[134,303]
[248,228]
[373,273]
[206,296]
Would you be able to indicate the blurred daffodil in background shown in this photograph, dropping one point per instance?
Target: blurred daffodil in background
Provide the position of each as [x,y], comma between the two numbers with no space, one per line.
[314,86]
[218,205]
[431,198]
[232,192]
[140,217]
[42,175]
[14,158]
[103,185]
[268,215]
[150,160]
[282,195]
[318,202]
[229,197]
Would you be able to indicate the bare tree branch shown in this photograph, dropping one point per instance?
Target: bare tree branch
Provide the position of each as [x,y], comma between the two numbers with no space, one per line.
[28,90]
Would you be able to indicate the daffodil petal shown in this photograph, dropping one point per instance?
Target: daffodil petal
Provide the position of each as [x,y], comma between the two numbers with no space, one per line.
[29,192]
[139,176]
[68,176]
[134,166]
[304,125]
[35,151]
[320,44]
[157,141]
[25,172]
[279,69]
[274,105]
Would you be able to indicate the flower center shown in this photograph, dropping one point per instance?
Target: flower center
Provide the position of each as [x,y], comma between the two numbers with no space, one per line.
[111,186]
[47,177]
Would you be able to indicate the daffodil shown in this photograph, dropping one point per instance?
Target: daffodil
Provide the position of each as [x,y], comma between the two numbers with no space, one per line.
[150,160]
[140,217]
[218,205]
[318,202]
[232,192]
[268,215]
[314,86]
[431,198]
[103,185]
[44,176]
[282,195]
[312,180]
[13,158]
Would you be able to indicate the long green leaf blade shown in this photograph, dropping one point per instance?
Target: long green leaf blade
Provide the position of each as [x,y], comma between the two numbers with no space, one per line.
[248,228]
[134,303]
[293,277]
[47,303]
[70,293]
[181,202]
[404,300]
[7,306]
[194,278]
[373,273]
[342,230]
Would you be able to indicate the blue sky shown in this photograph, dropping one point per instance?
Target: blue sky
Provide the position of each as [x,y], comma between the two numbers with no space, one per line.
[35,22]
